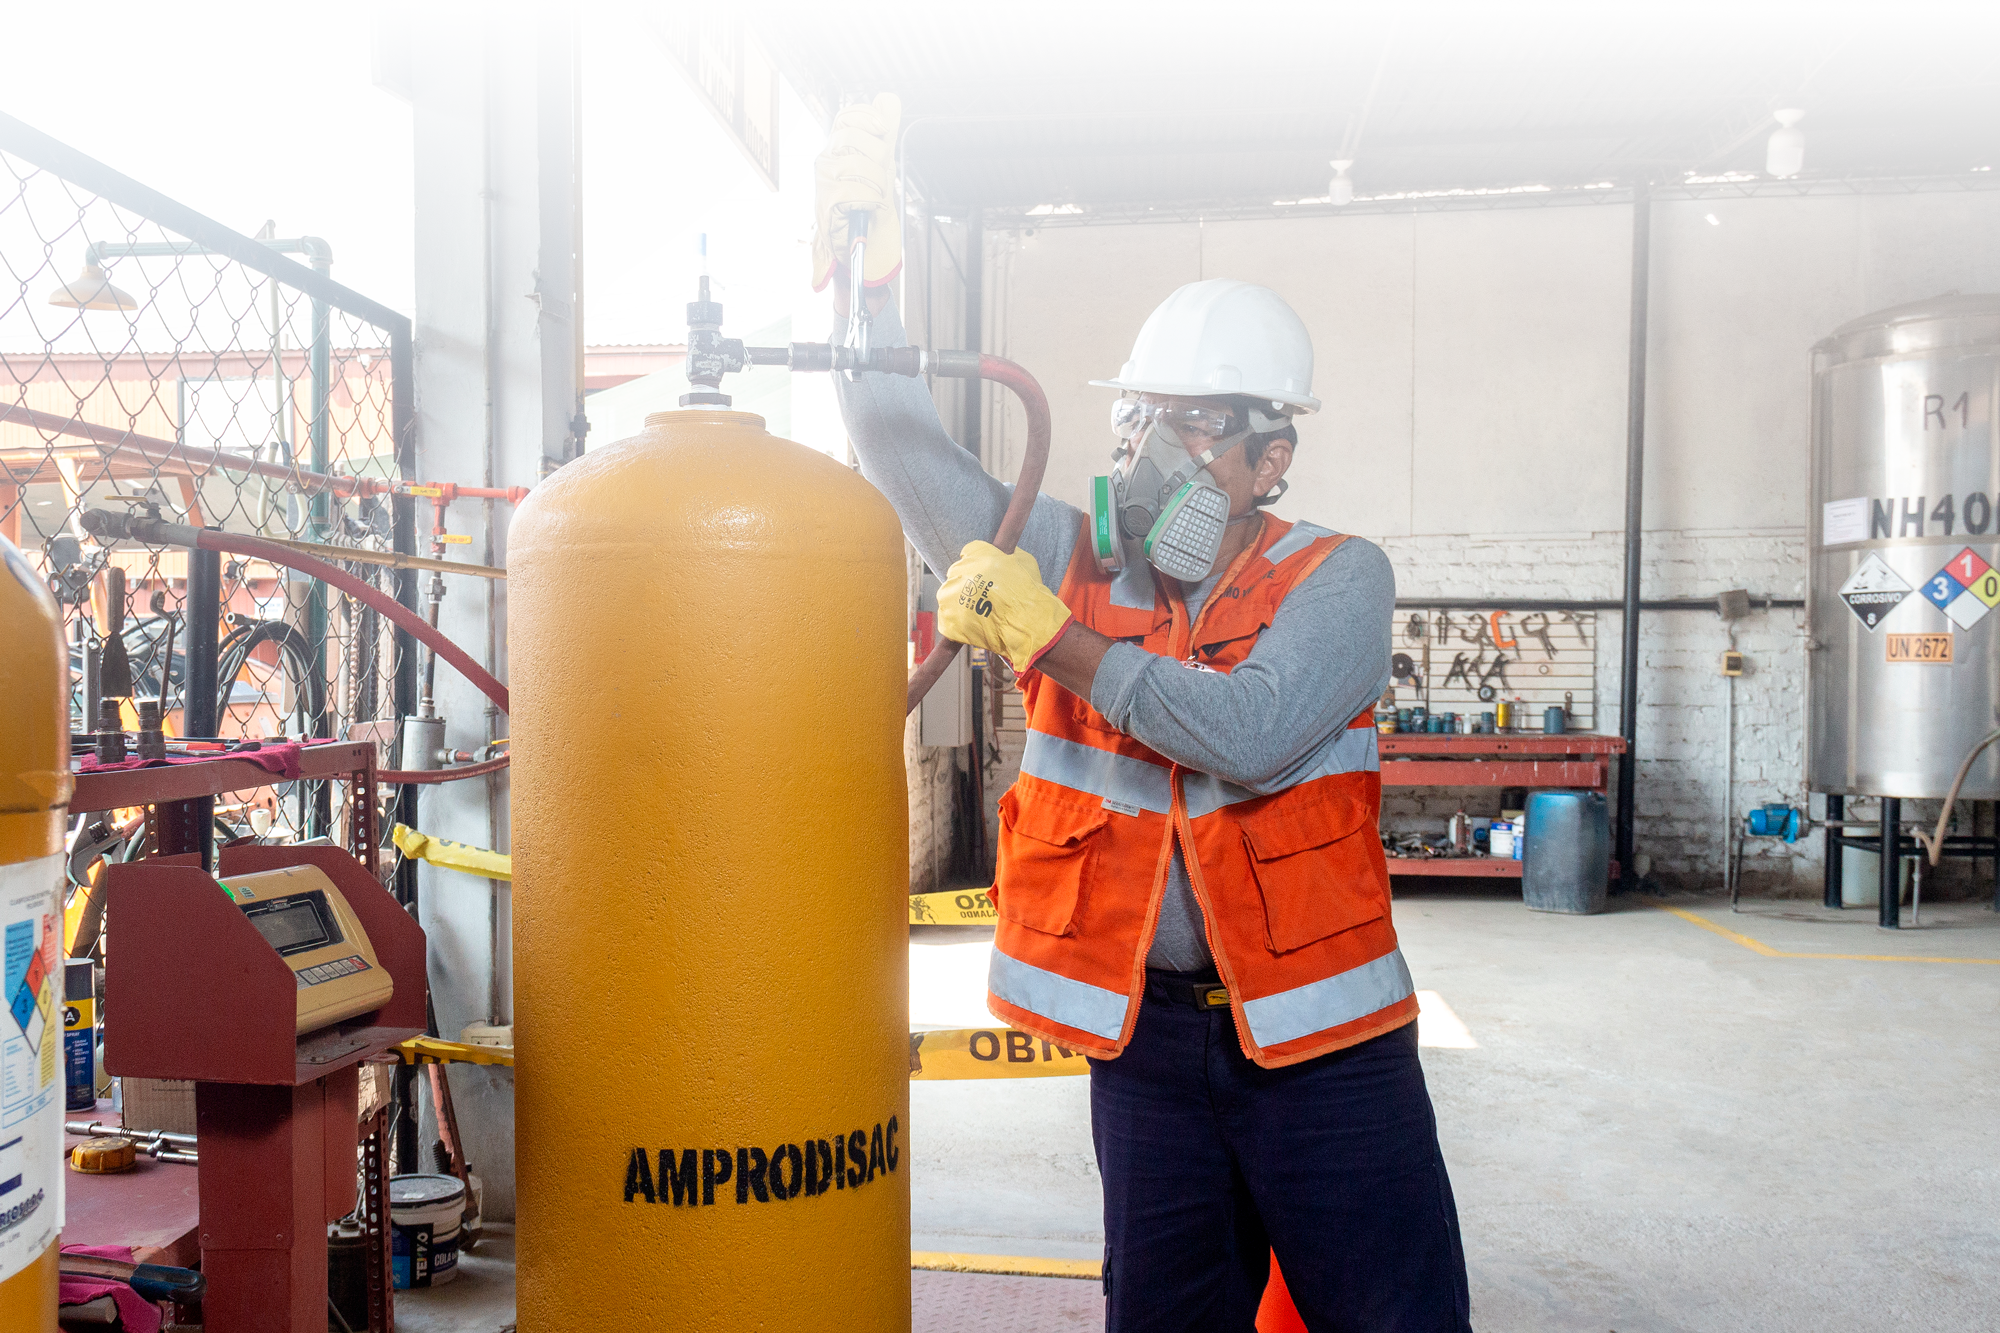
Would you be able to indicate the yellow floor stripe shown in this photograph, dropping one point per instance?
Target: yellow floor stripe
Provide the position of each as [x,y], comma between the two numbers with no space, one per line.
[1012,1265]
[1756,947]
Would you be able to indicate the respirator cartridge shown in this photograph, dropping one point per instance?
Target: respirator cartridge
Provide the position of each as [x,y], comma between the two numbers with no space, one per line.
[1178,516]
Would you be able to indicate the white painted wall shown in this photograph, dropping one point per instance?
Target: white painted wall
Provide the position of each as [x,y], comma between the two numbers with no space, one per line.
[494,343]
[1473,366]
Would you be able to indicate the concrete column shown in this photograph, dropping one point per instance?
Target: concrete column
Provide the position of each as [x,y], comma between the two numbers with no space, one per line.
[492,87]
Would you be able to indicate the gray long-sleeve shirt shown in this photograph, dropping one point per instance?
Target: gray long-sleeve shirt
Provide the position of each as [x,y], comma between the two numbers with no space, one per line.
[1263,726]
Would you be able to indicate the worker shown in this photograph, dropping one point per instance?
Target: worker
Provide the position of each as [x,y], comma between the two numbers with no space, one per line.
[1190,886]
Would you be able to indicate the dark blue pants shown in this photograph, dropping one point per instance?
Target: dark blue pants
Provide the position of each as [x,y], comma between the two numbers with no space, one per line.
[1210,1164]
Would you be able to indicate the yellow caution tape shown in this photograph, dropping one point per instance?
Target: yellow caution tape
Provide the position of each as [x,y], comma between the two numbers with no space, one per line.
[453,855]
[959,1053]
[437,1051]
[954,907]
[1013,1265]
[989,1053]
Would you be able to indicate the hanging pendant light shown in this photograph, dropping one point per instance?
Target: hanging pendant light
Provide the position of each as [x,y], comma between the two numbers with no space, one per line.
[1340,190]
[1785,154]
[92,291]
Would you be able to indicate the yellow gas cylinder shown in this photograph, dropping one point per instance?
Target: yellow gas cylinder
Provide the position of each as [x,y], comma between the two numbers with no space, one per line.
[34,801]
[710,835]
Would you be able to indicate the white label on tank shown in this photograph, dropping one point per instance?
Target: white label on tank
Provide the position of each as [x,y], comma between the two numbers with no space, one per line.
[31,1066]
[1873,591]
[1843,521]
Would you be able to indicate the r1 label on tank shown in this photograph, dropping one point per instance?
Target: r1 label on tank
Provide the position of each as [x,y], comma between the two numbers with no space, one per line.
[808,1169]
[1921,649]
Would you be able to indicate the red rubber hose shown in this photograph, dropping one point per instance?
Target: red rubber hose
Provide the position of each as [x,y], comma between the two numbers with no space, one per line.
[402,616]
[1034,462]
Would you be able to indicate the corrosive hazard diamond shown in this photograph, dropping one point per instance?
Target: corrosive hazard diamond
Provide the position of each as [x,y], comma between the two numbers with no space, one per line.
[1873,591]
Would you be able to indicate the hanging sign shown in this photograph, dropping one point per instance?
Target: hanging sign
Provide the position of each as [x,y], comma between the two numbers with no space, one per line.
[719,55]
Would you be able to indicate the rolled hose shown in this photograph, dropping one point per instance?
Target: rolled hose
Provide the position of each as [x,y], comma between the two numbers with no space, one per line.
[403,616]
[210,539]
[103,523]
[1034,462]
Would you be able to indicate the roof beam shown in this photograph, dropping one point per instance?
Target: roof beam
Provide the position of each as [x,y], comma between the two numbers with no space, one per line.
[1387,143]
[1341,89]
[1819,47]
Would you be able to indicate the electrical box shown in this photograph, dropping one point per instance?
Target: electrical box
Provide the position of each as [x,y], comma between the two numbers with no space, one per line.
[945,715]
[944,718]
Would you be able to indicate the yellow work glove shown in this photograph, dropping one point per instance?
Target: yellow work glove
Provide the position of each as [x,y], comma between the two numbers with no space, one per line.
[856,170]
[998,602]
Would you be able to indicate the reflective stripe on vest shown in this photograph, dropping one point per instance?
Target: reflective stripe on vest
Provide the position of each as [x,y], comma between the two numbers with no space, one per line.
[1329,1002]
[1072,1003]
[1108,776]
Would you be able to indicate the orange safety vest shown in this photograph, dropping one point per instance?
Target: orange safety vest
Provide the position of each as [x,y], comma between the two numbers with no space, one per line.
[1292,884]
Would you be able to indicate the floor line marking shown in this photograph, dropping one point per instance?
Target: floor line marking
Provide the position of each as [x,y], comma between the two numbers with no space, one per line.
[1009,1265]
[1757,947]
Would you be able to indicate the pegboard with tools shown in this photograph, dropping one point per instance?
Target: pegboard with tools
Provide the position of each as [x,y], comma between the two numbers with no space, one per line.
[1467,661]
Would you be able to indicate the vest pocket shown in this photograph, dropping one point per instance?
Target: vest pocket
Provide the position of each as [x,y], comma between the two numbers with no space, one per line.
[1045,858]
[1313,866]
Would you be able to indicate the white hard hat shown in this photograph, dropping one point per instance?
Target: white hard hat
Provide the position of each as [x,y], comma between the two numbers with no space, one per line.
[1222,337]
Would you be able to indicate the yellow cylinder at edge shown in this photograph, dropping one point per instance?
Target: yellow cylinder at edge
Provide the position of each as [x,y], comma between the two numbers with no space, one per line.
[706,651]
[34,796]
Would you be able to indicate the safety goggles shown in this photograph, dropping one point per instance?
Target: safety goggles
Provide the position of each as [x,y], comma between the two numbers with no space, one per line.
[1183,422]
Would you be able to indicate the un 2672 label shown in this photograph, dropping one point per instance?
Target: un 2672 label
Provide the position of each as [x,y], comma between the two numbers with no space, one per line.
[1923,649]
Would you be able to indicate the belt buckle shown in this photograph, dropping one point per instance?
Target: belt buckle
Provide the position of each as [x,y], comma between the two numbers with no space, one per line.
[1211,997]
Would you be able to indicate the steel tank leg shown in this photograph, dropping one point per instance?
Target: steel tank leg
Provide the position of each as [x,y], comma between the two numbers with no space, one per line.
[1890,903]
[1836,807]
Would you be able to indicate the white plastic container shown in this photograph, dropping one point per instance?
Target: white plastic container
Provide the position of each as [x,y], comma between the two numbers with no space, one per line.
[1500,840]
[424,1217]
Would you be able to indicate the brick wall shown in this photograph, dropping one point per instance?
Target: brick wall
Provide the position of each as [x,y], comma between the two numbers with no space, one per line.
[1683,696]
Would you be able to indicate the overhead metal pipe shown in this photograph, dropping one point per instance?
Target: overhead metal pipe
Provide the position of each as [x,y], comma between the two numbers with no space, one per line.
[1635,478]
[1353,139]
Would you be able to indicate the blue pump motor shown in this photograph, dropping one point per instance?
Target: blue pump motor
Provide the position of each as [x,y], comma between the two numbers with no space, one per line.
[1776,821]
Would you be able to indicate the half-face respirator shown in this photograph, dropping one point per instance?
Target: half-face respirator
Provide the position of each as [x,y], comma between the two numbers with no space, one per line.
[1160,493]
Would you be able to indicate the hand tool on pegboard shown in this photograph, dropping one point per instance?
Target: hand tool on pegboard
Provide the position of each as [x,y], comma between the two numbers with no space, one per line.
[1540,631]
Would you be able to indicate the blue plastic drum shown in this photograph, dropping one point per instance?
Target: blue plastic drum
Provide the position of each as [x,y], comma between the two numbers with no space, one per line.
[1566,866]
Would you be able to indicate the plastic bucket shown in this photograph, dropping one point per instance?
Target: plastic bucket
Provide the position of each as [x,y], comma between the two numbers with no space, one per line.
[1566,865]
[424,1217]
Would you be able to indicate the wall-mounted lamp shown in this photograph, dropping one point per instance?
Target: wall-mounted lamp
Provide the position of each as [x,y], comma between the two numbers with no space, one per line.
[1785,154]
[92,290]
[1340,189]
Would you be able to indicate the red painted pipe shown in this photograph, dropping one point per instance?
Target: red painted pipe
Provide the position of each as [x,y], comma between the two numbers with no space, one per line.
[1034,462]
[209,539]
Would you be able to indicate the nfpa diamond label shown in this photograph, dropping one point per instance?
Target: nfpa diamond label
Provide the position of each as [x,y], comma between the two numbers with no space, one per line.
[1874,591]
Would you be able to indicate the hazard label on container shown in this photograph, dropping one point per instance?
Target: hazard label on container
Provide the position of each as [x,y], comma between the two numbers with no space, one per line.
[1965,589]
[1873,591]
[1922,649]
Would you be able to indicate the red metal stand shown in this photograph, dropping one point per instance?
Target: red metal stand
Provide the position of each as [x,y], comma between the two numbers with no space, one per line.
[1576,760]
[194,991]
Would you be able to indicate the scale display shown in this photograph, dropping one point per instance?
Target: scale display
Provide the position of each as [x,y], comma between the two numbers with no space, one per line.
[304,917]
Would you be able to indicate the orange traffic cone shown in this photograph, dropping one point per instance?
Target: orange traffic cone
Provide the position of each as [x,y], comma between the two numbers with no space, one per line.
[1277,1314]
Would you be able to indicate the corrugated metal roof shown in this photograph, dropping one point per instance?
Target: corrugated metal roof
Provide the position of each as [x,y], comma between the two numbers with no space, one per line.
[1041,103]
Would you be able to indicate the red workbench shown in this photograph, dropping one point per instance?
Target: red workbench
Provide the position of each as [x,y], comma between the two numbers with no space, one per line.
[1574,760]
[156,1208]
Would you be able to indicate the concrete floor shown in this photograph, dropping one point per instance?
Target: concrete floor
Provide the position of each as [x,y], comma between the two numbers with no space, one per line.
[1651,1126]
[1659,1128]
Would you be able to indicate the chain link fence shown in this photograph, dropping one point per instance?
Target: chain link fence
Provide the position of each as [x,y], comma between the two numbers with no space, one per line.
[157,363]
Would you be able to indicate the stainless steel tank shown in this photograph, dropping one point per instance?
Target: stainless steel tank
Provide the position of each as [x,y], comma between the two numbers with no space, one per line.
[1903,669]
